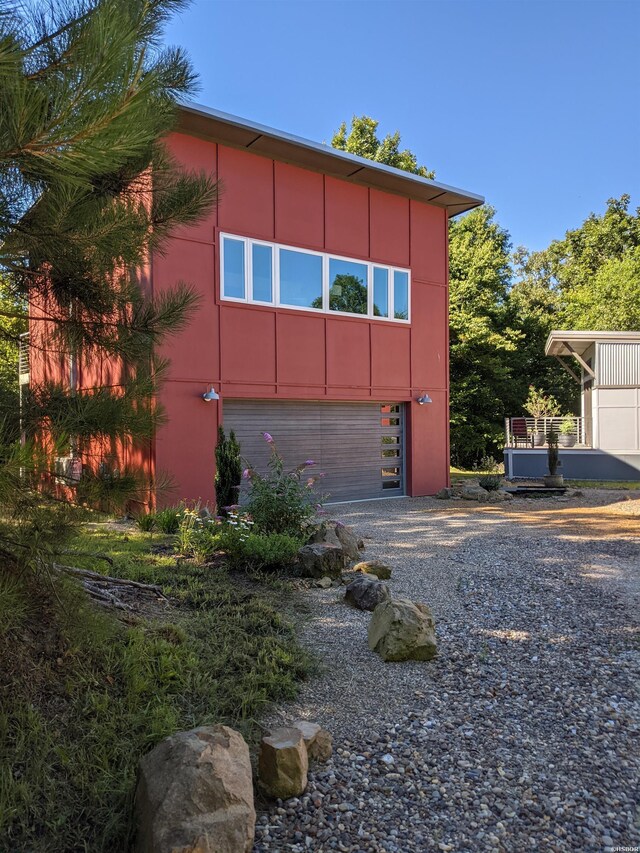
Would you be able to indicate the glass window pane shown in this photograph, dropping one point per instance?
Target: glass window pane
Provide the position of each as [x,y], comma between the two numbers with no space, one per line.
[380,292]
[300,279]
[391,484]
[347,286]
[233,273]
[400,295]
[261,271]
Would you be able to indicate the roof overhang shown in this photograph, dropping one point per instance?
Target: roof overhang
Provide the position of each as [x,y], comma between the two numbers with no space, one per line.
[207,123]
[561,343]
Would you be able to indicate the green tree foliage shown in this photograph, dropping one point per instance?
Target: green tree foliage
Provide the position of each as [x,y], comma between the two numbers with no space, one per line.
[228,469]
[87,191]
[611,299]
[591,278]
[12,325]
[482,340]
[363,140]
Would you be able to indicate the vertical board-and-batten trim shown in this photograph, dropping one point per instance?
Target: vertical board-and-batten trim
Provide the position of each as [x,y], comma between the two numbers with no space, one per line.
[619,364]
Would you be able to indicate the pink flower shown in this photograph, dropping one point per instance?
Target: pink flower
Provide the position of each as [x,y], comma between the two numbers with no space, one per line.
[267,437]
[246,474]
[311,481]
[308,463]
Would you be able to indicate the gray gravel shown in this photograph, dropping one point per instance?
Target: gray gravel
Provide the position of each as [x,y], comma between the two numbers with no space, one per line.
[520,735]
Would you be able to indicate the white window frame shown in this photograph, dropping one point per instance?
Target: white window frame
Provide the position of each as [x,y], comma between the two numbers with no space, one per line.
[326,257]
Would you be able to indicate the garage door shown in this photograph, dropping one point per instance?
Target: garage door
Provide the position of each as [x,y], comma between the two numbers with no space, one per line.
[358,446]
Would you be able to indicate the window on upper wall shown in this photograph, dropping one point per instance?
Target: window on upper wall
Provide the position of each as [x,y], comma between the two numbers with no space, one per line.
[262,273]
[233,267]
[348,290]
[300,279]
[272,274]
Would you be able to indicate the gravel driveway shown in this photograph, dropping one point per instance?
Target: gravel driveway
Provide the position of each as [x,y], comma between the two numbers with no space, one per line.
[520,735]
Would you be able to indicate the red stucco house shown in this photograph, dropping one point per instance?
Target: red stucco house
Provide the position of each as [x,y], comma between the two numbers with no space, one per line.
[323,315]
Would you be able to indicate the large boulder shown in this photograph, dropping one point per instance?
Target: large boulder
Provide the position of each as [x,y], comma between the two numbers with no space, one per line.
[351,545]
[474,493]
[374,567]
[283,763]
[195,794]
[402,630]
[366,593]
[326,534]
[320,560]
[498,496]
[337,533]
[316,739]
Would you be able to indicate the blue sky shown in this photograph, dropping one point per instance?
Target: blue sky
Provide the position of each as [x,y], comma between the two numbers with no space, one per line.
[533,104]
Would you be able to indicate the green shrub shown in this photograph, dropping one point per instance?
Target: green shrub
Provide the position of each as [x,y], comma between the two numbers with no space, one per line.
[256,551]
[568,425]
[146,521]
[228,470]
[205,542]
[197,535]
[553,459]
[168,520]
[282,501]
[491,482]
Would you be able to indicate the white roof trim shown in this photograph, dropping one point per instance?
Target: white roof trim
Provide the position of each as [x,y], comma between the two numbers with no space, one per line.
[580,341]
[241,133]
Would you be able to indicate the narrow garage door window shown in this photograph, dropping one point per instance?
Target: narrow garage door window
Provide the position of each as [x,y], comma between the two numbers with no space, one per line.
[358,446]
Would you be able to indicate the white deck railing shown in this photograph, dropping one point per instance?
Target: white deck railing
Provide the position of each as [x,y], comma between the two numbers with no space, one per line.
[532,432]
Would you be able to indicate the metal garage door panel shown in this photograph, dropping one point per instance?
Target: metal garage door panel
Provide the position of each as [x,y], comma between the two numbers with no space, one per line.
[345,439]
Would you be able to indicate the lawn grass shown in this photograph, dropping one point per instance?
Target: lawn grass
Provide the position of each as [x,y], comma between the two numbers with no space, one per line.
[461,474]
[603,484]
[83,695]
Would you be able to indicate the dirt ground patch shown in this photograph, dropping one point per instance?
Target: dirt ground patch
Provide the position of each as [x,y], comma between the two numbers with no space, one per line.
[617,519]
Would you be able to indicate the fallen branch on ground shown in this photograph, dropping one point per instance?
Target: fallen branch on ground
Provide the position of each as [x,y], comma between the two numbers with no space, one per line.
[95,586]
[96,576]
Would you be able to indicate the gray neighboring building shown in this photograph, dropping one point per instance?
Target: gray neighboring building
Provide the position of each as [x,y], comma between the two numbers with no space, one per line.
[607,433]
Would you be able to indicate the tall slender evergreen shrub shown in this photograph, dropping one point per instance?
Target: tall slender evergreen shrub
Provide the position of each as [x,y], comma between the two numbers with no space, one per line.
[228,470]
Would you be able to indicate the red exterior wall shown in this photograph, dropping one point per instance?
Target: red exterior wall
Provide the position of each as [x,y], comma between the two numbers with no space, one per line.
[264,352]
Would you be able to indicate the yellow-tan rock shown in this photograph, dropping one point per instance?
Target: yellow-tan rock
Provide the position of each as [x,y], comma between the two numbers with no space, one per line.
[317,740]
[402,630]
[283,763]
[195,794]
[374,567]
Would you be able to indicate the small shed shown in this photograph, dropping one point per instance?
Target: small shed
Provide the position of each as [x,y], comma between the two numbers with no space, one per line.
[607,367]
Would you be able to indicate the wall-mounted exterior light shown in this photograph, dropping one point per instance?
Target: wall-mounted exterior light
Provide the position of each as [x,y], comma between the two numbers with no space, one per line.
[424,398]
[210,395]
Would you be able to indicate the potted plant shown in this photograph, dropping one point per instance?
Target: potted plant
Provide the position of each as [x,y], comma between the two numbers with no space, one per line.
[567,437]
[540,406]
[553,480]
